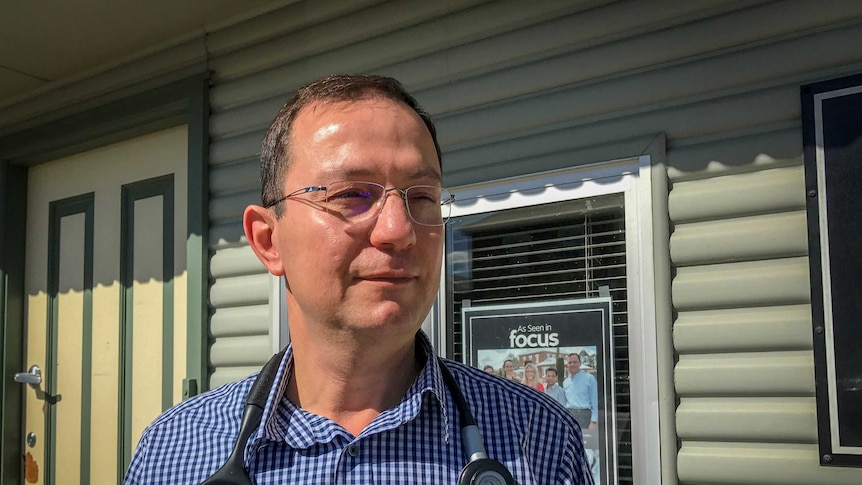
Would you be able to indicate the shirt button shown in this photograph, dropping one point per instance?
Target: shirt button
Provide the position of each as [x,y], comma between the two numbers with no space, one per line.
[353,450]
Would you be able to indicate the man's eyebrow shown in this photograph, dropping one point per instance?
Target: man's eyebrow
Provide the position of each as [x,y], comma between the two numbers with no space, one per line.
[360,173]
[426,172]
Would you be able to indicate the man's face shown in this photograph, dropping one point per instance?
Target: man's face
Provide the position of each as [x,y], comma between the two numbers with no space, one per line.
[550,377]
[573,364]
[380,275]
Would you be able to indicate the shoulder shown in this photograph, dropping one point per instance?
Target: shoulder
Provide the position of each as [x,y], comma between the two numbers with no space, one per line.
[214,406]
[194,435]
[513,415]
[499,400]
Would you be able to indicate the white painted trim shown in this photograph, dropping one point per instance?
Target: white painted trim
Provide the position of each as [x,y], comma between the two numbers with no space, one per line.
[279,334]
[643,355]
[543,188]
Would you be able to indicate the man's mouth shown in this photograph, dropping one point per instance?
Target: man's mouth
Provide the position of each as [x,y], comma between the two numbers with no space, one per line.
[393,278]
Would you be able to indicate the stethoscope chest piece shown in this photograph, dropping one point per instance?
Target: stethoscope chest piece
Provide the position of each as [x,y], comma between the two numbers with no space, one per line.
[485,471]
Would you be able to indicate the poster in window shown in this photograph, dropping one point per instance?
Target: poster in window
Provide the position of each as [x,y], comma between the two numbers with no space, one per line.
[562,348]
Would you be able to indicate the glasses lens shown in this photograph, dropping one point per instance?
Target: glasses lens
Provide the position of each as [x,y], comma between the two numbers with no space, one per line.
[428,205]
[353,200]
[356,201]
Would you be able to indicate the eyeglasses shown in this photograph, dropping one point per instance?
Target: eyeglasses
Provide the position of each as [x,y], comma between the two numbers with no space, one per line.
[427,205]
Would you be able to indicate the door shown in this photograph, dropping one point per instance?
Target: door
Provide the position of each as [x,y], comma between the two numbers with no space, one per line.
[105,304]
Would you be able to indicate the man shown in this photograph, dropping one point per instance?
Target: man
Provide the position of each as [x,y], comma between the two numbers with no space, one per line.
[553,389]
[582,393]
[351,218]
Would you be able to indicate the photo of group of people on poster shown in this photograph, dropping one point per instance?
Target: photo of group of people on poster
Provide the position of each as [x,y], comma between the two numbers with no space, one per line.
[563,349]
[567,374]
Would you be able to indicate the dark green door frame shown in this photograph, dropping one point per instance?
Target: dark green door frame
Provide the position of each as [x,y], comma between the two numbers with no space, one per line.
[184,102]
[13,208]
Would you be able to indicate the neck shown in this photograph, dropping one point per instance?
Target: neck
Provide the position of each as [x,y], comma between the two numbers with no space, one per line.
[349,381]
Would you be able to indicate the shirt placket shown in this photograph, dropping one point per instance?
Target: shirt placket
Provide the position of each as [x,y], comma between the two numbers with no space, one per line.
[350,469]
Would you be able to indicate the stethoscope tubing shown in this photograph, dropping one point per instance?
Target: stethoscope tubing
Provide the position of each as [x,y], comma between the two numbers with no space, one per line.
[479,469]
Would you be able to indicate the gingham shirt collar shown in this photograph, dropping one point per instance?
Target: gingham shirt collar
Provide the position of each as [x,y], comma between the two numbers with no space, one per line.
[282,420]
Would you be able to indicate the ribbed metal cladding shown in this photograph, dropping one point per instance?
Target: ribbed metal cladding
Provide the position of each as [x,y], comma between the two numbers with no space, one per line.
[564,256]
[745,370]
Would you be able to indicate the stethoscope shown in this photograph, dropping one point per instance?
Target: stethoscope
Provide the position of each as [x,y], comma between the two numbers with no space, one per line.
[480,470]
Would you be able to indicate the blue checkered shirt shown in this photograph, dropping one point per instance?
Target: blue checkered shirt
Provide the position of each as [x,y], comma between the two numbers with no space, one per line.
[417,441]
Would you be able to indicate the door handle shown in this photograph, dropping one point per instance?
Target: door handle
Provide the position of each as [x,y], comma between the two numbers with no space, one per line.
[32,377]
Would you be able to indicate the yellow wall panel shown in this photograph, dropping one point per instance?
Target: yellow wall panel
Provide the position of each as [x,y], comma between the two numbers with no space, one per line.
[148,312]
[146,356]
[103,427]
[180,335]
[37,315]
[70,309]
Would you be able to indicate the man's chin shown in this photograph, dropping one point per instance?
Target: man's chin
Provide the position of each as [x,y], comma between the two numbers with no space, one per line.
[390,317]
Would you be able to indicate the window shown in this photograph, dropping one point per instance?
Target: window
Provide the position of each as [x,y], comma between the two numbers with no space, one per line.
[560,237]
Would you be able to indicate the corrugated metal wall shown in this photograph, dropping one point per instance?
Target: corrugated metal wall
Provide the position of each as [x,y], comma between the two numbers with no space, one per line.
[519,89]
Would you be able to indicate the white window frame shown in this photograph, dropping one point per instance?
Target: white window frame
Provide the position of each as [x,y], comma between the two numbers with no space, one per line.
[279,330]
[632,178]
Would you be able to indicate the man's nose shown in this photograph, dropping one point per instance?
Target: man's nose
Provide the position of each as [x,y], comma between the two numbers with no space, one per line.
[393,226]
[401,203]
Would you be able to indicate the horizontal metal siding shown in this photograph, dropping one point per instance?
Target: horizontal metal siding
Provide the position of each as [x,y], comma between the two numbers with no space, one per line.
[786,373]
[761,463]
[770,235]
[751,419]
[745,373]
[387,22]
[775,327]
[517,91]
[241,317]
[767,191]
[751,283]
[291,18]
[410,29]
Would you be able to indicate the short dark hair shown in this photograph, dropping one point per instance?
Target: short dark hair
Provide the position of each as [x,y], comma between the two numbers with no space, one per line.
[275,149]
[550,369]
[576,355]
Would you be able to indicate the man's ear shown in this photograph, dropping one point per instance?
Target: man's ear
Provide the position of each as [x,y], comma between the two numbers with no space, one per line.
[260,230]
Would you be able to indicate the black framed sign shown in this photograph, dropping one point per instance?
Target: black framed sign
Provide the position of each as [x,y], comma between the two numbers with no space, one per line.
[563,348]
[832,138]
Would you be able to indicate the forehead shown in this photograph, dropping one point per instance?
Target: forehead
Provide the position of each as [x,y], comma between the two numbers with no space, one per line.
[338,137]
